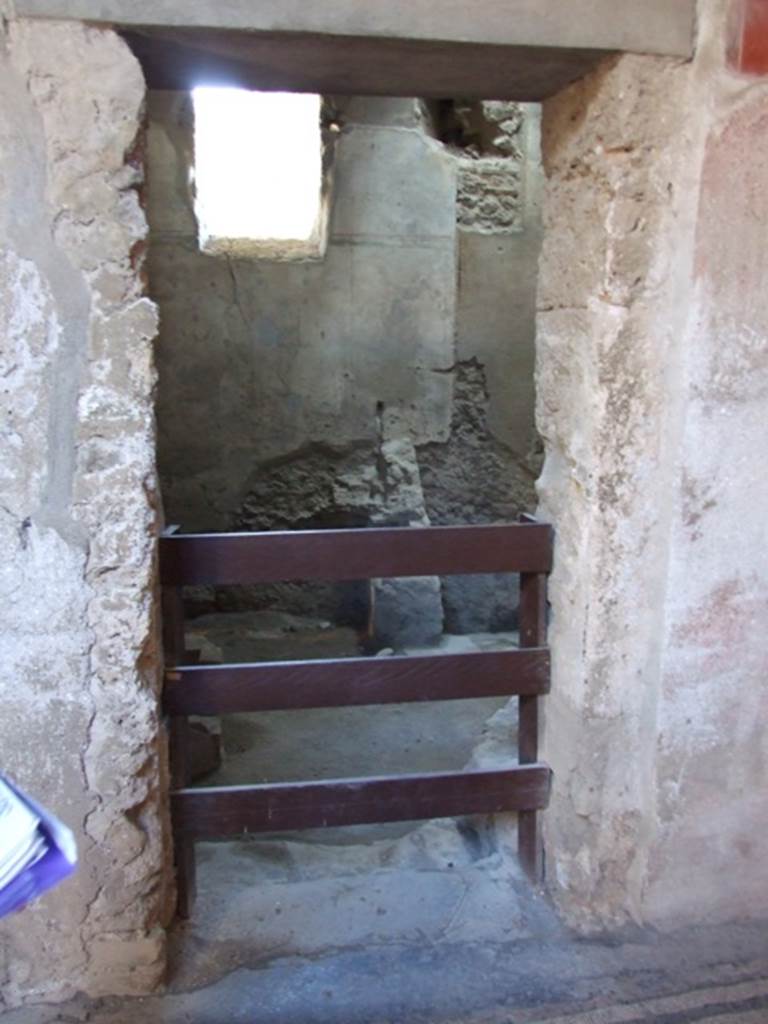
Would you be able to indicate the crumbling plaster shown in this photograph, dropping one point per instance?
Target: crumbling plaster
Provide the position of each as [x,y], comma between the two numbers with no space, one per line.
[652,376]
[79,727]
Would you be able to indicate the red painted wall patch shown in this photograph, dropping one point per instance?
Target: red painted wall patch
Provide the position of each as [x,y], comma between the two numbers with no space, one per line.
[748,42]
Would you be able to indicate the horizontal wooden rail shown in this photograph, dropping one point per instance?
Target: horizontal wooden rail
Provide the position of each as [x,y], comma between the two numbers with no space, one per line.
[210,813]
[287,685]
[231,810]
[231,558]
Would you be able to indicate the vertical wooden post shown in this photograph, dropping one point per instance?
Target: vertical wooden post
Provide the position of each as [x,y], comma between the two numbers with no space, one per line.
[533,633]
[179,742]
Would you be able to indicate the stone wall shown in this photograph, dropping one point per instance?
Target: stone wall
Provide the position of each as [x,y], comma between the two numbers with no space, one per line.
[486,470]
[79,725]
[652,378]
[361,389]
[260,361]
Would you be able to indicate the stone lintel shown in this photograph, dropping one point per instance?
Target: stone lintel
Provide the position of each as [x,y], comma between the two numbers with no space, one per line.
[652,26]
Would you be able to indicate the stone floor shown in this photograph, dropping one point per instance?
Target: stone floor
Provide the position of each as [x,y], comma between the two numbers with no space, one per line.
[414,923]
[457,974]
[434,927]
[284,899]
[323,743]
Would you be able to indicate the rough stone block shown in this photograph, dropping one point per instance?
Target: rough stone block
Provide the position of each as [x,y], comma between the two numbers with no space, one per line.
[481,604]
[407,612]
[490,195]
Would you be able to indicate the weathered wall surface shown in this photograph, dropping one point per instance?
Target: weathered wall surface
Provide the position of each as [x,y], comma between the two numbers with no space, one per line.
[652,376]
[391,382]
[486,470]
[713,722]
[79,725]
[260,360]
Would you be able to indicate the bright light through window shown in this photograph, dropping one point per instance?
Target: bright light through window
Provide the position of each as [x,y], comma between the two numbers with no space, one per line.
[258,165]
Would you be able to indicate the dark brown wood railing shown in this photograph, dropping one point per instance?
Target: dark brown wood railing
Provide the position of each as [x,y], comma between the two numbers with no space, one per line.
[215,812]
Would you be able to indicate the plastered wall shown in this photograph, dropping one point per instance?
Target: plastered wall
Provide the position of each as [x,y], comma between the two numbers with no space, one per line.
[260,360]
[263,361]
[390,382]
[79,725]
[652,379]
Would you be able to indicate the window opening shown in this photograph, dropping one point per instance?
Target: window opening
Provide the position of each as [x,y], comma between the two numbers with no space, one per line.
[258,172]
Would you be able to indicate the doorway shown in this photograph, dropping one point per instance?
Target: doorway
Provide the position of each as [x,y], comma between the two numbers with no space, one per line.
[385,380]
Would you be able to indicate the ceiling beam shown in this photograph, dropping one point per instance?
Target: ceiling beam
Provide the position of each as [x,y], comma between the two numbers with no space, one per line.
[184,58]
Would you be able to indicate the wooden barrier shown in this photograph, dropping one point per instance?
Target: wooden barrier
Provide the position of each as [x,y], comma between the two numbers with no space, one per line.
[213,812]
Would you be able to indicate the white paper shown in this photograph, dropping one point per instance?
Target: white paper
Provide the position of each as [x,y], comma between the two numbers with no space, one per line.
[21,842]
